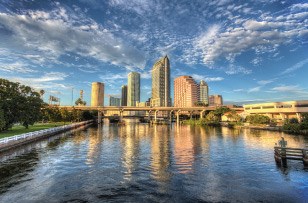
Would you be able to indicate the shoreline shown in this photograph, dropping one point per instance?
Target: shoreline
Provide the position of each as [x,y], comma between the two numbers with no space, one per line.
[8,143]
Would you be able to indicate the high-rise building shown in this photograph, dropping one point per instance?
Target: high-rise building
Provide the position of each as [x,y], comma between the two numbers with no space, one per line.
[133,89]
[97,94]
[215,100]
[204,92]
[124,95]
[186,92]
[161,83]
[113,101]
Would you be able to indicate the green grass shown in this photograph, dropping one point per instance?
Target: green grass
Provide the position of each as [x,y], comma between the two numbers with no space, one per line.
[19,129]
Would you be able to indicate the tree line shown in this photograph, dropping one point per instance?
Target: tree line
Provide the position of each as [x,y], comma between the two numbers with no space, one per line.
[22,104]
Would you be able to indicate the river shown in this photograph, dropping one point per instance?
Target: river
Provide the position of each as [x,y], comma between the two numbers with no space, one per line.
[142,163]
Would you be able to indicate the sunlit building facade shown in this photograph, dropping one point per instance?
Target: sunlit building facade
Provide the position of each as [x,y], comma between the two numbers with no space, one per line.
[204,92]
[185,92]
[161,83]
[215,100]
[97,94]
[133,89]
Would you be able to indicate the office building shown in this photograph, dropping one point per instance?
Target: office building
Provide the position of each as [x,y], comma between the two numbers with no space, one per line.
[124,95]
[97,94]
[215,100]
[186,93]
[133,89]
[161,83]
[204,93]
[113,101]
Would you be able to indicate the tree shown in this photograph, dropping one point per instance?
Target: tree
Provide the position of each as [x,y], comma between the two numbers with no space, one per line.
[19,103]
[221,111]
[258,119]
[2,121]
[233,116]
[80,102]
[212,117]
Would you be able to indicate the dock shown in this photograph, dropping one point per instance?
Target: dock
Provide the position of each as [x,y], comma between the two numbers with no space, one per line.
[282,154]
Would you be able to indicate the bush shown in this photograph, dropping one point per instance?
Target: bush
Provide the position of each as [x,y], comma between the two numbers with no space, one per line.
[258,119]
[292,127]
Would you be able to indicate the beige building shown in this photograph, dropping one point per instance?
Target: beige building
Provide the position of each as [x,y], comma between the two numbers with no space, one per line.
[161,83]
[97,94]
[185,92]
[133,88]
[204,92]
[215,100]
[279,110]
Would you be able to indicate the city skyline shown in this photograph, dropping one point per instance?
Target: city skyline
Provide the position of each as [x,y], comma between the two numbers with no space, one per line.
[247,51]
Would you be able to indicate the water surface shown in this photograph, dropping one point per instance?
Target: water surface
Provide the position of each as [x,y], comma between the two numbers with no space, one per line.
[139,162]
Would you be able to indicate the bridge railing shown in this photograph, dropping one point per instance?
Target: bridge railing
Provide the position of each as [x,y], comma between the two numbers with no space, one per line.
[39,133]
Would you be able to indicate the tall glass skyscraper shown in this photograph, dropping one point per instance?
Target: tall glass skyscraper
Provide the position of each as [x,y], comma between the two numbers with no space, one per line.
[133,89]
[161,83]
[124,95]
[204,92]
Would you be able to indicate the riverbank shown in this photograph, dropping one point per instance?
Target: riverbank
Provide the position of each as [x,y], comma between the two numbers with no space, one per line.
[17,140]
[19,129]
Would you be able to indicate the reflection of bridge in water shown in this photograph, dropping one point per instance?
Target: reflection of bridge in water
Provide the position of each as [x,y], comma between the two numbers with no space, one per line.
[151,111]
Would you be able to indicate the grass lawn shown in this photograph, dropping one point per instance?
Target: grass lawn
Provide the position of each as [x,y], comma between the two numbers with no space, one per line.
[19,129]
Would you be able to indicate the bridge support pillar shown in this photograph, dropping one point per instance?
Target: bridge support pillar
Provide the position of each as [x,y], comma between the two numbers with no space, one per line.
[283,116]
[155,115]
[149,116]
[190,114]
[299,117]
[201,114]
[99,117]
[170,116]
[121,115]
[178,117]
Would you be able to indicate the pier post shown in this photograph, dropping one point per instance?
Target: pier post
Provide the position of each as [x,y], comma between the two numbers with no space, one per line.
[305,158]
[121,115]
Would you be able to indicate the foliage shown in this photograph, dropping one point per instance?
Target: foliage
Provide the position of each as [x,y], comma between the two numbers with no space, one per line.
[233,116]
[212,117]
[79,102]
[19,103]
[2,121]
[54,114]
[258,119]
[201,104]
[221,111]
[293,120]
[304,117]
[291,127]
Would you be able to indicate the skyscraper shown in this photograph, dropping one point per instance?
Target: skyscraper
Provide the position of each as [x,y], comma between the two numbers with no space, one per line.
[215,100]
[97,94]
[113,101]
[124,95]
[161,83]
[186,93]
[133,88]
[204,92]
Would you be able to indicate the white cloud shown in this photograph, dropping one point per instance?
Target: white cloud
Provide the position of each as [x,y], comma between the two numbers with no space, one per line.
[48,81]
[285,88]
[255,89]
[56,33]
[16,67]
[206,78]
[265,82]
[296,66]
[264,35]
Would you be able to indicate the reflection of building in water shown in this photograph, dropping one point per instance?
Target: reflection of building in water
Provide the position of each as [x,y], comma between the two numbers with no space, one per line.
[130,142]
[95,142]
[160,159]
[183,149]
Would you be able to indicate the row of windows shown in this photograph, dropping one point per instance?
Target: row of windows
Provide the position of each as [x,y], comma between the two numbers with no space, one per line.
[281,106]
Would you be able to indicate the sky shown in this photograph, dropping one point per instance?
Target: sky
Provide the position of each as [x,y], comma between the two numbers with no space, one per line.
[249,51]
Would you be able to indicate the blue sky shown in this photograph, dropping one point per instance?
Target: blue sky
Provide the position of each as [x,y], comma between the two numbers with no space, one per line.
[248,51]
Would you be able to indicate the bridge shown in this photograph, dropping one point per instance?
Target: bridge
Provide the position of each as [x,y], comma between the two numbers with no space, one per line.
[150,109]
